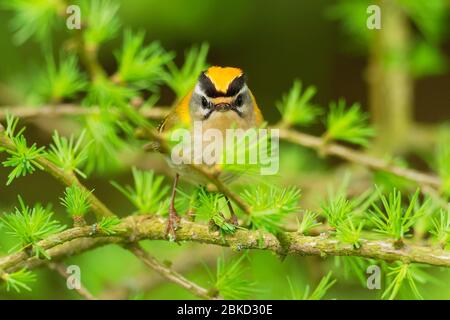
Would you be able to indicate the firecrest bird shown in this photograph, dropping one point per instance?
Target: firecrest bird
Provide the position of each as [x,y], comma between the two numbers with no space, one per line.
[219,100]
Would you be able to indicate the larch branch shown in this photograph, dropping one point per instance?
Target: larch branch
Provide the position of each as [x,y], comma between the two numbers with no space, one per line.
[136,228]
[354,156]
[188,260]
[25,112]
[66,178]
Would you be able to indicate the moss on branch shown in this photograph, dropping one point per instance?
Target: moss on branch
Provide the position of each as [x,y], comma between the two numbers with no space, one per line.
[136,228]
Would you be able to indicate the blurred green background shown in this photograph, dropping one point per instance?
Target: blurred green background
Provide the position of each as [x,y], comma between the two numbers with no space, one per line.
[275,43]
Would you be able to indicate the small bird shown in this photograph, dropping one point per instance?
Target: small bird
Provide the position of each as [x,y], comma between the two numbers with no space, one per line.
[220,100]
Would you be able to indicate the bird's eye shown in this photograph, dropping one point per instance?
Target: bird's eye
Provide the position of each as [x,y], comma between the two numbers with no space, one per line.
[205,103]
[239,100]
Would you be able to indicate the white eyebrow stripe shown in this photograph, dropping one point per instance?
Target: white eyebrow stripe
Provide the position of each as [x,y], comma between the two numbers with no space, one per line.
[244,88]
[199,90]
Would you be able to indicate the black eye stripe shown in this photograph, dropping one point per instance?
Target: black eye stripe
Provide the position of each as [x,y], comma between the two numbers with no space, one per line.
[207,86]
[205,103]
[236,85]
[239,100]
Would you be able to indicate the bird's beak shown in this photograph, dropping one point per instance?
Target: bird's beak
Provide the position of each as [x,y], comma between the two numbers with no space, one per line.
[222,104]
[222,107]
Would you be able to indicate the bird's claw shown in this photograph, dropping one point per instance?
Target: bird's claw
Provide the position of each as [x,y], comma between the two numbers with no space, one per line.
[234,220]
[172,225]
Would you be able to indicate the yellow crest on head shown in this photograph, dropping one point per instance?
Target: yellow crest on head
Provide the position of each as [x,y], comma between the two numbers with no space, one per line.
[221,77]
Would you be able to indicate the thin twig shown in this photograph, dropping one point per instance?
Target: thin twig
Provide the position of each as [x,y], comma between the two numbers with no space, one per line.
[351,155]
[88,52]
[222,188]
[60,268]
[170,274]
[188,260]
[25,112]
[433,194]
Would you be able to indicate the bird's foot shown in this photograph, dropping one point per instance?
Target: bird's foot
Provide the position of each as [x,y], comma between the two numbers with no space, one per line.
[234,220]
[172,225]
